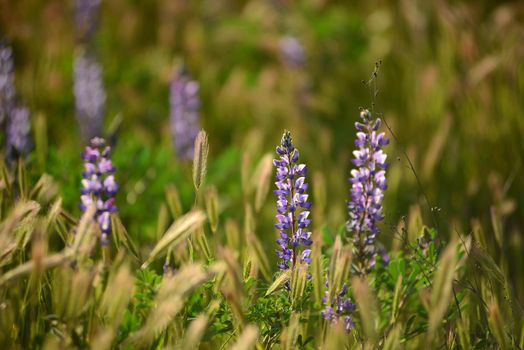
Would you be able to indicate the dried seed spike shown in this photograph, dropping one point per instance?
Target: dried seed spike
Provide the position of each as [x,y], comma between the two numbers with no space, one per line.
[442,290]
[117,294]
[247,339]
[279,281]
[289,339]
[211,200]
[173,201]
[496,323]
[232,234]
[367,307]
[195,332]
[261,180]
[316,271]
[179,231]
[200,159]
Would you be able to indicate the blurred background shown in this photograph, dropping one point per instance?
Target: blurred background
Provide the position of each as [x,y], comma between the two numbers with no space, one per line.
[450,86]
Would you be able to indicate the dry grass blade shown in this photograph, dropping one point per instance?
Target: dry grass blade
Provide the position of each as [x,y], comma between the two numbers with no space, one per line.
[367,308]
[179,231]
[200,159]
[247,339]
[25,269]
[279,281]
[261,180]
[195,332]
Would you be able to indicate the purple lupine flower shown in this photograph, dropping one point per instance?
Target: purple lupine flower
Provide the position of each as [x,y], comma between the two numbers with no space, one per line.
[99,185]
[86,18]
[340,307]
[292,51]
[368,182]
[17,133]
[90,96]
[184,101]
[292,206]
[7,88]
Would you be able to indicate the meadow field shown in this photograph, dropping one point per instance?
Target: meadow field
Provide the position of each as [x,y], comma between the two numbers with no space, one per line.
[261,174]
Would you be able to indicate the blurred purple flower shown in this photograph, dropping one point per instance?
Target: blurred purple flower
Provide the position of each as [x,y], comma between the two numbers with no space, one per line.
[368,182]
[292,205]
[17,135]
[90,96]
[184,117]
[86,18]
[292,51]
[341,307]
[7,89]
[99,185]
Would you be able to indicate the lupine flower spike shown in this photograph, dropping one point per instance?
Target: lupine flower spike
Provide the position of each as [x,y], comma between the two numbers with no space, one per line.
[184,116]
[86,18]
[292,51]
[368,182]
[16,116]
[99,185]
[17,135]
[339,308]
[292,206]
[90,96]
[7,89]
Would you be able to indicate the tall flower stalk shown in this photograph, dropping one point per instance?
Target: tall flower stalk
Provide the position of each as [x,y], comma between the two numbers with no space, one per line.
[17,135]
[12,112]
[292,51]
[339,308]
[90,96]
[184,117]
[368,183]
[7,88]
[86,18]
[292,206]
[99,185]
